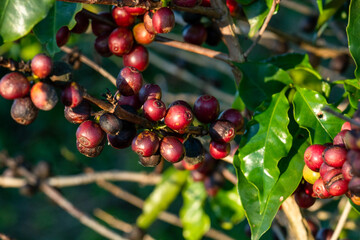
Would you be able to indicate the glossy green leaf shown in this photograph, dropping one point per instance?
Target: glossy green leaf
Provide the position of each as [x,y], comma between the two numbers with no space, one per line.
[18,17]
[353,30]
[290,60]
[61,14]
[262,152]
[352,88]
[238,102]
[163,195]
[256,13]
[308,113]
[327,9]
[193,217]
[260,81]
[227,207]
[320,4]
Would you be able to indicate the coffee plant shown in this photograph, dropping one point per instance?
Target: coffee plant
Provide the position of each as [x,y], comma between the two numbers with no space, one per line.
[232,119]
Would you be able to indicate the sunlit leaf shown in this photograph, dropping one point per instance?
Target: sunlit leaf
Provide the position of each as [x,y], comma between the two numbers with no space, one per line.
[353,30]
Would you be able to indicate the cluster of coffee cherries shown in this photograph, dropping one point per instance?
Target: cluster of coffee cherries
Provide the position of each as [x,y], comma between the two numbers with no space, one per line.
[332,169]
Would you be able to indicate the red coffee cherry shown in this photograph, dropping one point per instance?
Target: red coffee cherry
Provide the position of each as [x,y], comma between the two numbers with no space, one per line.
[178,118]
[320,190]
[154,109]
[151,161]
[141,35]
[181,102]
[339,138]
[352,140]
[222,131]
[101,45]
[335,156]
[78,114]
[137,58]
[41,65]
[110,123]
[135,11]
[89,134]
[195,34]
[324,168]
[163,20]
[346,126]
[148,24]
[82,23]
[23,111]
[129,81]
[149,91]
[100,28]
[72,95]
[219,150]
[206,108]
[43,96]
[234,116]
[190,167]
[121,41]
[171,149]
[122,17]
[145,144]
[90,151]
[124,138]
[347,171]
[132,101]
[313,156]
[62,36]
[205,3]
[232,6]
[335,183]
[14,85]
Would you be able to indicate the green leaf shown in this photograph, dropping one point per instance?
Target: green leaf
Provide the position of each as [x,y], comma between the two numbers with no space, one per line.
[308,113]
[163,195]
[227,207]
[193,217]
[262,152]
[256,13]
[352,88]
[18,17]
[320,5]
[290,60]
[260,81]
[327,10]
[61,14]
[238,102]
[353,30]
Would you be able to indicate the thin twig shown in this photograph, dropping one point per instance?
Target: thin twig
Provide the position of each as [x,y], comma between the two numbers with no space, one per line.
[342,221]
[4,237]
[263,27]
[339,115]
[229,176]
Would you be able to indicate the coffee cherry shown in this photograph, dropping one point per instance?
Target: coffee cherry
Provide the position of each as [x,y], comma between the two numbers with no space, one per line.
[346,126]
[89,134]
[222,131]
[72,95]
[62,36]
[205,3]
[309,175]
[185,3]
[121,41]
[335,156]
[178,118]
[82,23]
[23,111]
[101,45]
[354,158]
[335,183]
[163,20]
[234,116]
[121,17]
[151,161]
[339,138]
[41,65]
[219,150]
[14,85]
[347,171]
[110,123]
[124,138]
[180,102]
[171,149]
[148,24]
[191,18]
[354,186]
[137,58]
[194,152]
[43,96]
[303,199]
[145,144]
[149,91]
[141,35]
[324,234]
[320,190]
[352,139]
[132,101]
[79,113]
[129,81]
[232,6]
[154,109]
[206,108]
[190,167]
[324,168]
[135,11]
[100,28]
[90,151]
[195,34]
[313,156]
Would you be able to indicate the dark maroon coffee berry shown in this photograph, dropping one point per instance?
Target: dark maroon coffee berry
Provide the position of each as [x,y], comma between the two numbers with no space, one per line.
[41,65]
[151,161]
[101,45]
[194,152]
[352,140]
[62,36]
[135,11]
[43,96]
[90,151]
[354,186]
[234,116]
[178,118]
[99,28]
[145,144]
[320,190]
[209,165]
[154,109]
[185,3]
[129,81]
[137,58]
[124,138]
[213,36]
[148,24]
[180,102]
[23,111]
[335,156]
[347,171]
[121,41]
[219,150]
[171,149]
[324,168]
[110,123]
[14,85]
[303,199]
[78,114]
[222,131]
[324,234]
[195,34]
[163,20]
[149,91]
[132,101]
[141,35]
[313,156]
[339,138]
[206,108]
[213,183]
[89,134]
[72,95]
[354,158]
[335,183]
[82,23]
[122,18]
